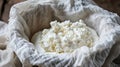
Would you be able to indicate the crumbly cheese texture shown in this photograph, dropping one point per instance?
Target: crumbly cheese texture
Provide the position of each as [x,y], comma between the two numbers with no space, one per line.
[66,36]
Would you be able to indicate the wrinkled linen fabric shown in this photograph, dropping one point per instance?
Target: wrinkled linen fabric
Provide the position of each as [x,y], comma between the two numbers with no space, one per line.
[7,56]
[31,16]
[3,37]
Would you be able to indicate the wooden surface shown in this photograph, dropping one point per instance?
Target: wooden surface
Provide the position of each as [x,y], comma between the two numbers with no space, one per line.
[110,5]
[5,6]
[1,2]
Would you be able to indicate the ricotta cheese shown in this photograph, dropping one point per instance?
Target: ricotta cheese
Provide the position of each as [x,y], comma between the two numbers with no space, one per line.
[65,36]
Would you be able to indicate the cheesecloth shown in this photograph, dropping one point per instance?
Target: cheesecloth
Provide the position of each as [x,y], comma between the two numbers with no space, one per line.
[29,17]
[7,56]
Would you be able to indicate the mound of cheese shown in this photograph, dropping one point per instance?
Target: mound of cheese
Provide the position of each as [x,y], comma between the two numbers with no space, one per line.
[66,36]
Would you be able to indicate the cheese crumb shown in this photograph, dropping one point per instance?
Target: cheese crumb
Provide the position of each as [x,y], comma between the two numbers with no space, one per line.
[66,36]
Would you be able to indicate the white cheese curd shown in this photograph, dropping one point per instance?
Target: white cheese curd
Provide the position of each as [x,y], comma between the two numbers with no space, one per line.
[65,37]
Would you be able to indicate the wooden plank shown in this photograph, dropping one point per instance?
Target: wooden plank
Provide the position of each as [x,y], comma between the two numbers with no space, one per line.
[7,8]
[1,2]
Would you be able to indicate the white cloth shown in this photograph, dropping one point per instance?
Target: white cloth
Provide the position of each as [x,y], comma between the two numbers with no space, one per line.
[7,56]
[29,17]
